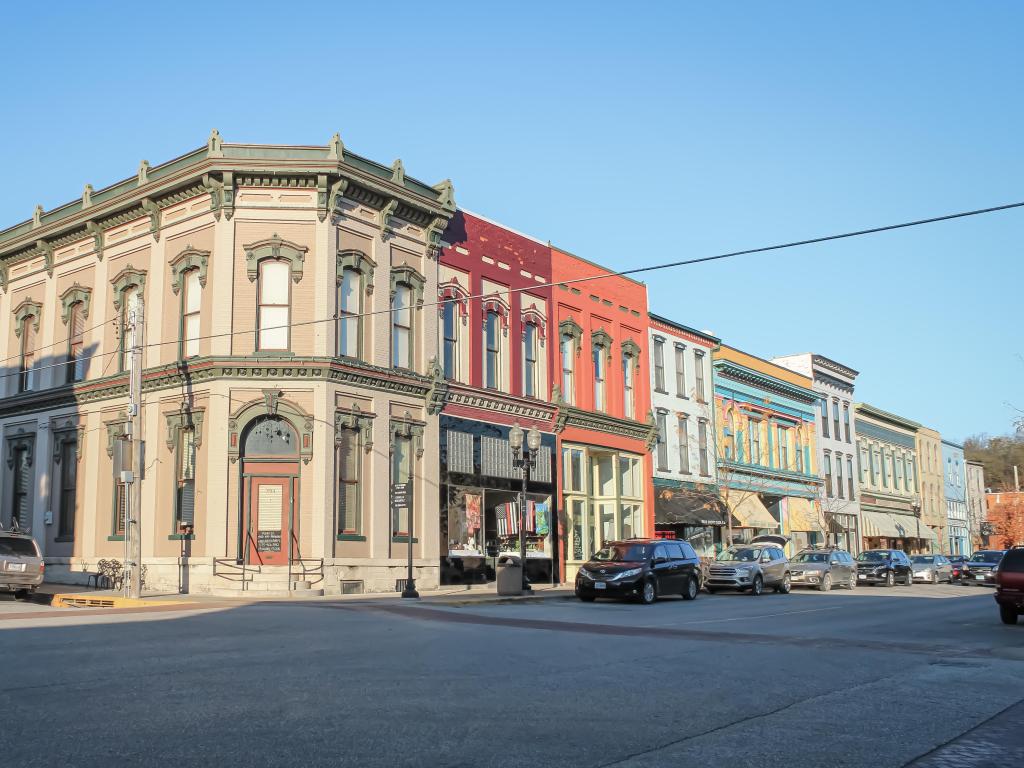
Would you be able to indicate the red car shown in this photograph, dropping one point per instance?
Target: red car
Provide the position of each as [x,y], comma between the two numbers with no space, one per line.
[1010,585]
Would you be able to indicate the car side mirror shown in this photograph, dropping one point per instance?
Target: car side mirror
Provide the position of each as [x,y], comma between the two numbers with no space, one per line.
[833,562]
[659,560]
[766,558]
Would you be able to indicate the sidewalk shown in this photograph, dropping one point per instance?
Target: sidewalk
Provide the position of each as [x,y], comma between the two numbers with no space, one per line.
[74,596]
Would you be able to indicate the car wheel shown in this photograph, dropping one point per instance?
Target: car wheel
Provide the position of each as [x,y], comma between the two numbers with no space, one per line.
[692,588]
[909,581]
[826,583]
[649,593]
[853,582]
[1008,614]
[935,577]
[758,586]
[889,579]
[784,586]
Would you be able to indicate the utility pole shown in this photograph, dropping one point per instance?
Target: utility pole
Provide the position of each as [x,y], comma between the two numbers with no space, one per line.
[1016,479]
[134,525]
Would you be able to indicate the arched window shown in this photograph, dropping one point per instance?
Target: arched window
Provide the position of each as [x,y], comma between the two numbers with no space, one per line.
[450,350]
[567,347]
[401,326]
[129,306]
[274,309]
[349,313]
[730,435]
[191,297]
[27,377]
[531,370]
[270,436]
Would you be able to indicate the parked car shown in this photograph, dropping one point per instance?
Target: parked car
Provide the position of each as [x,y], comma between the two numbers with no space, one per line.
[932,568]
[1010,585]
[642,568]
[21,564]
[956,562]
[980,567]
[751,567]
[823,568]
[884,566]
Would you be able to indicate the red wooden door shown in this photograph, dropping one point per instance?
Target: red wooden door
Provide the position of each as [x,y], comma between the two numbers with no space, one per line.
[270,506]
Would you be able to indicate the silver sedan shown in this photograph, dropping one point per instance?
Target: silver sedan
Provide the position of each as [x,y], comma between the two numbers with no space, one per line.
[932,568]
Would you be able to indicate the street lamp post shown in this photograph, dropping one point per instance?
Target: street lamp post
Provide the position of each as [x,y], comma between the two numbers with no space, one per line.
[526,462]
[916,507]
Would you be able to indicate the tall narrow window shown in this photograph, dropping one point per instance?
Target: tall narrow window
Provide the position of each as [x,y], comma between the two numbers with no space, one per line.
[684,446]
[568,368]
[68,484]
[876,466]
[190,302]
[783,439]
[849,477]
[828,474]
[21,486]
[680,370]
[450,352]
[911,480]
[27,377]
[662,443]
[839,476]
[755,441]
[846,422]
[798,450]
[129,305]
[401,472]
[530,360]
[628,390]
[702,445]
[729,440]
[492,351]
[899,469]
[885,469]
[76,343]
[659,365]
[698,374]
[862,464]
[401,327]
[599,376]
[185,501]
[349,493]
[349,309]
[824,418]
[274,313]
[835,418]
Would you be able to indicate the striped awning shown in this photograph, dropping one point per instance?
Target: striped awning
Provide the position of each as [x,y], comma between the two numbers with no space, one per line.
[894,526]
[749,512]
[801,514]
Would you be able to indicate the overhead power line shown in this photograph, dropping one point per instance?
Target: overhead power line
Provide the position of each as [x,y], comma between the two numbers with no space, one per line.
[570,281]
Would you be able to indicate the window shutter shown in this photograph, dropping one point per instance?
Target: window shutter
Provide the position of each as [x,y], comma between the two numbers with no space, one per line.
[187,503]
[24,480]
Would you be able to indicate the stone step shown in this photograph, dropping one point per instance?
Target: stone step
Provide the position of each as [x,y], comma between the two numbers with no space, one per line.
[304,594]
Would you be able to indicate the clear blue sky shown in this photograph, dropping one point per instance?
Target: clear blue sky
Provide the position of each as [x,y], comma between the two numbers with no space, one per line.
[632,134]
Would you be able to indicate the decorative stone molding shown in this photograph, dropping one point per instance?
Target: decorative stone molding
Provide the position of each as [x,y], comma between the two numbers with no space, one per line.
[184,418]
[498,306]
[274,248]
[601,338]
[533,316]
[96,231]
[76,294]
[437,395]
[385,214]
[454,293]
[3,277]
[652,432]
[28,308]
[214,144]
[190,258]
[18,438]
[432,235]
[272,404]
[117,429]
[406,426]
[446,195]
[361,263]
[66,429]
[143,174]
[570,416]
[152,210]
[409,276]
[570,327]
[46,250]
[355,418]
[398,172]
[124,280]
[631,349]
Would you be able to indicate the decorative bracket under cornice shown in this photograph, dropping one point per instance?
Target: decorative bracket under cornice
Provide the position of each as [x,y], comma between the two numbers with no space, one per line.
[432,236]
[96,231]
[47,250]
[437,395]
[384,216]
[153,211]
[3,277]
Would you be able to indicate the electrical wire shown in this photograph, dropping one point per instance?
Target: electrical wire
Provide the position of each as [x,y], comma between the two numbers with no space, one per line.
[571,281]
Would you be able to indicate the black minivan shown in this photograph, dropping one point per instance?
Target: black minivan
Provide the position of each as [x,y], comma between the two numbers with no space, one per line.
[640,568]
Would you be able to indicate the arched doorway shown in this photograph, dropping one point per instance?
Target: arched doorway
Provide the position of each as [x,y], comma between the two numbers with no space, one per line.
[270,473]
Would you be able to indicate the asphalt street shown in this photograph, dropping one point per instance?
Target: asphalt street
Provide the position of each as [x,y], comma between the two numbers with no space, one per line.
[924,675]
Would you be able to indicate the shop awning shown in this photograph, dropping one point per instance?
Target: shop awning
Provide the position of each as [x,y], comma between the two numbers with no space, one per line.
[893,526]
[682,506]
[801,514]
[749,512]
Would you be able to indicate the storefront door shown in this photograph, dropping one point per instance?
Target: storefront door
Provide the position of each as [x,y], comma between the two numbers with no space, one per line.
[270,472]
[269,502]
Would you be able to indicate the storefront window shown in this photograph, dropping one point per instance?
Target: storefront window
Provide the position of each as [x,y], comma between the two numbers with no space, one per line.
[601,471]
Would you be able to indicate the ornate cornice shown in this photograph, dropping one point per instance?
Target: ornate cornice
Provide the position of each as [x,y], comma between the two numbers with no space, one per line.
[498,402]
[729,370]
[570,416]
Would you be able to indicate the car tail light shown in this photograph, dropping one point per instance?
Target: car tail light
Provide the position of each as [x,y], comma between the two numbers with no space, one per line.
[42,567]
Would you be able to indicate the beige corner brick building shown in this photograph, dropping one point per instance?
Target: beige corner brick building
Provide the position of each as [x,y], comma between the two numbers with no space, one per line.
[288,370]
